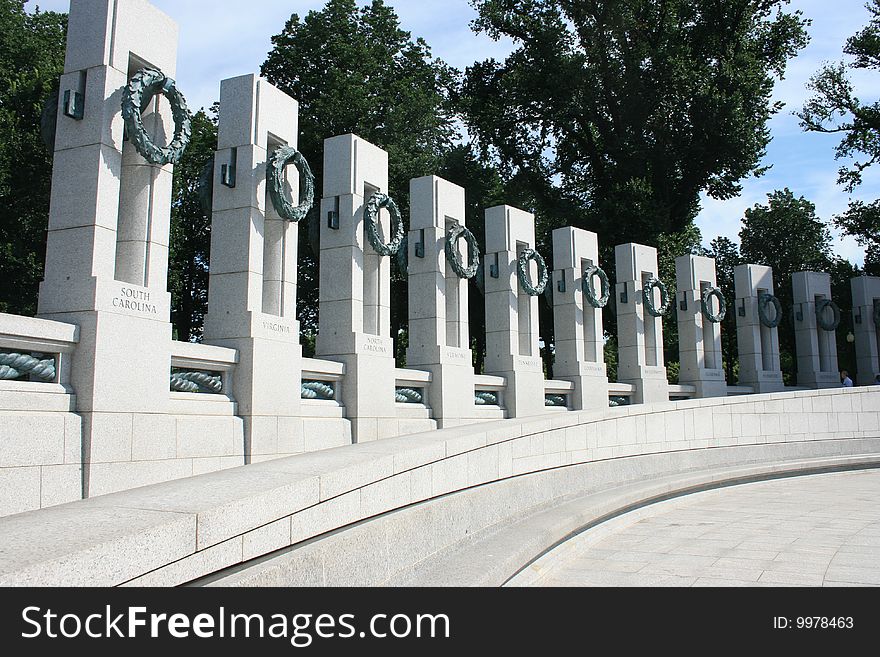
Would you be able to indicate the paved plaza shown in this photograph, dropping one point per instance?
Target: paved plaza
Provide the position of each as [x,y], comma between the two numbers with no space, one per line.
[820,530]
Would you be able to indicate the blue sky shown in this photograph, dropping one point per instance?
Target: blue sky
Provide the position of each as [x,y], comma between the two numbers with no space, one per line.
[224,38]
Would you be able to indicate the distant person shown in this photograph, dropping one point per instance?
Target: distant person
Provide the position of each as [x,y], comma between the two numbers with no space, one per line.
[877,380]
[845,381]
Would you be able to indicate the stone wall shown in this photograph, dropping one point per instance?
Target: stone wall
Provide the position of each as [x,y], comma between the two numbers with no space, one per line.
[40,434]
[180,531]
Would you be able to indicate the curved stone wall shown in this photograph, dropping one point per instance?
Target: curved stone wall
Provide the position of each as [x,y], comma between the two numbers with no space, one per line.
[484,536]
[179,532]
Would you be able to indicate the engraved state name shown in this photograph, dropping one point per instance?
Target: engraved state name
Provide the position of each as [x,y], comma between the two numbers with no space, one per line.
[375,345]
[277,328]
[139,301]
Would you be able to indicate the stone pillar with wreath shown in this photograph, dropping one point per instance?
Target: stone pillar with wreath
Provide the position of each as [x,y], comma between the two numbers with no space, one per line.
[515,274]
[816,320]
[442,256]
[642,300]
[866,328]
[257,188]
[581,290]
[758,315]
[121,124]
[700,310]
[361,230]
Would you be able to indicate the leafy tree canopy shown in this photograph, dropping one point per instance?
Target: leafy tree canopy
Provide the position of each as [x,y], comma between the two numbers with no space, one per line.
[31,61]
[786,235]
[862,221]
[835,108]
[355,70]
[631,108]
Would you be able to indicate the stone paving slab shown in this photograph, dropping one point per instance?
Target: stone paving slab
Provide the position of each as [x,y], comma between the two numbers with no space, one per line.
[506,554]
[818,530]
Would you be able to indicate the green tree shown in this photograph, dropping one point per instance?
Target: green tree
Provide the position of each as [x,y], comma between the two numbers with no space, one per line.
[862,221]
[834,109]
[31,61]
[191,232]
[354,70]
[629,109]
[786,235]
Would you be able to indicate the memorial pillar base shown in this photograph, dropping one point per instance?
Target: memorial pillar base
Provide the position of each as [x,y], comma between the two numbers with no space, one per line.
[590,387]
[451,393]
[524,394]
[819,380]
[651,385]
[267,381]
[368,387]
[762,382]
[709,386]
